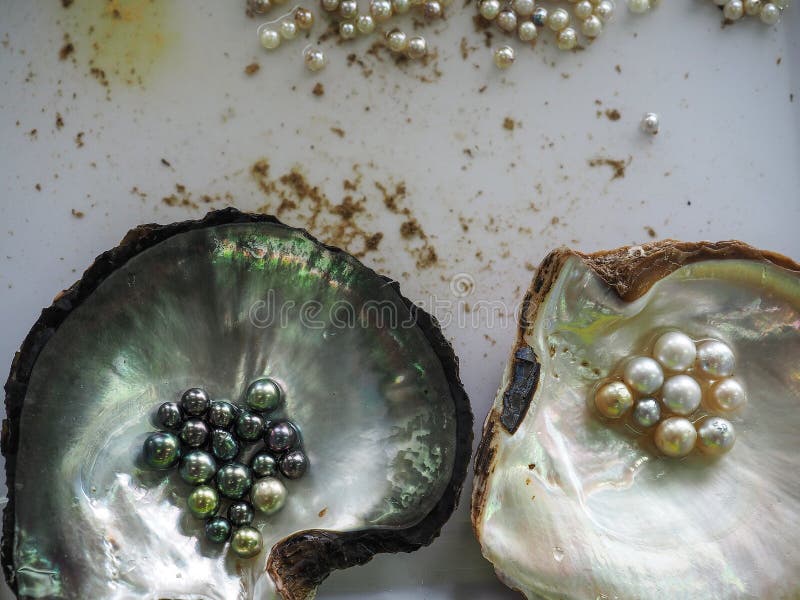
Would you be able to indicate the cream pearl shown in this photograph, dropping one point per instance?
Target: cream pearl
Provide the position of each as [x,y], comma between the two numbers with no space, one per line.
[770,14]
[347,29]
[613,400]
[727,395]
[638,6]
[397,40]
[675,351]
[401,7]
[432,9]
[507,20]
[260,6]
[647,412]
[715,359]
[643,374]
[583,9]
[675,437]
[650,123]
[733,10]
[504,57]
[365,24]
[604,10]
[381,10]
[288,30]
[489,9]
[330,5]
[269,38]
[524,8]
[567,39]
[715,436]
[527,31]
[558,19]
[348,9]
[752,7]
[303,18]
[592,27]
[681,394]
[417,47]
[314,59]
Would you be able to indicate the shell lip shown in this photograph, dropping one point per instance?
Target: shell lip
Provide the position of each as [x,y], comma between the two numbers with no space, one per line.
[300,562]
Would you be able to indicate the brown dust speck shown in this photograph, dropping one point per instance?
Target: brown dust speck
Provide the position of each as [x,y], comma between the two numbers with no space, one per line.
[252,69]
[612,114]
[509,124]
[79,139]
[59,121]
[318,89]
[323,512]
[77,214]
[338,131]
[650,231]
[617,165]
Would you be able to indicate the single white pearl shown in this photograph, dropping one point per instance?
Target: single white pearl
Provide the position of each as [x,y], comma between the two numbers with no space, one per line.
[524,8]
[604,10]
[715,359]
[638,6]
[527,31]
[490,9]
[288,30]
[401,7]
[650,123]
[381,10]
[397,40]
[417,47]
[675,351]
[507,20]
[643,374]
[567,39]
[727,395]
[504,57]
[583,9]
[330,5]
[348,9]
[540,15]
[592,26]
[365,24]
[715,436]
[675,437]
[558,19]
[647,412]
[681,394]
[432,9]
[347,29]
[314,59]
[752,7]
[770,14]
[733,10]
[613,399]
[269,38]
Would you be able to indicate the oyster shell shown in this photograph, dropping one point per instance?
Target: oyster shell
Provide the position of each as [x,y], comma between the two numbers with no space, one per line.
[383,415]
[569,505]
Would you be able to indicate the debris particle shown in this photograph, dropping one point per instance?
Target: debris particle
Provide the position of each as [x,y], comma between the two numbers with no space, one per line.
[509,124]
[613,114]
[66,3]
[77,214]
[338,131]
[79,139]
[165,162]
[66,50]
[618,165]
[323,512]
[650,231]
[618,68]
[252,69]
[318,90]
[59,121]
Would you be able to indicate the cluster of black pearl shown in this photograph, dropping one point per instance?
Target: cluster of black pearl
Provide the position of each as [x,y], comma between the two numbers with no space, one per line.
[769,12]
[680,390]
[229,454]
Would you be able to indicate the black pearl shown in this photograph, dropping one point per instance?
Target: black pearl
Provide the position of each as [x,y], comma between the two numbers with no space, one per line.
[281,436]
[161,450]
[224,445]
[294,464]
[221,414]
[194,433]
[197,467]
[169,415]
[249,426]
[241,513]
[218,530]
[195,402]
[264,465]
[263,395]
[234,480]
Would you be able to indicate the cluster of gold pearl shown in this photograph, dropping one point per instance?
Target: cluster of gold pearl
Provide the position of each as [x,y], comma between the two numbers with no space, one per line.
[684,405]
[769,12]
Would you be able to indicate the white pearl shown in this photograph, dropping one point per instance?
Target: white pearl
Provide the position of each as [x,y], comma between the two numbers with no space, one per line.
[365,24]
[527,31]
[647,412]
[604,10]
[715,359]
[269,38]
[507,20]
[752,7]
[558,19]
[613,400]
[727,395]
[330,5]
[348,9]
[401,7]
[675,351]
[583,9]
[643,374]
[432,9]
[347,29]
[733,10]
[770,14]
[288,30]
[417,47]
[638,6]
[675,437]
[650,123]
[314,59]
[381,10]
[490,9]
[716,436]
[567,39]
[524,8]
[504,57]
[540,15]
[681,394]
[397,41]
[592,27]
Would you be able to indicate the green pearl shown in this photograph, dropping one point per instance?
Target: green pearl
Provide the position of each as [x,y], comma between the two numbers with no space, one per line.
[197,467]
[203,501]
[224,445]
[247,542]
[218,530]
[234,480]
[161,450]
[263,395]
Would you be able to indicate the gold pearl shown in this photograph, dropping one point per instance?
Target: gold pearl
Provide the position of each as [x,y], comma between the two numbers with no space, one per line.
[613,400]
[247,542]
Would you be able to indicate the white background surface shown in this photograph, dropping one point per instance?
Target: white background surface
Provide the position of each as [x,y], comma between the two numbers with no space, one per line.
[730,143]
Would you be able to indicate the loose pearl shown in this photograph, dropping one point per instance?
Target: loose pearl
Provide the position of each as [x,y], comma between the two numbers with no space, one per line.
[417,47]
[264,465]
[715,359]
[752,7]
[218,530]
[675,437]
[647,412]
[604,10]
[401,7]
[347,29]
[365,24]
[381,10]
[727,395]
[161,450]
[638,6]
[294,464]
[524,8]
[527,31]
[260,6]
[268,495]
[507,20]
[432,10]
[330,5]
[303,18]
[489,9]
[241,513]
[249,426]
[247,542]
[716,436]
[583,9]
[397,42]
[770,14]
[348,9]
[558,19]
[234,480]
[203,502]
[540,15]
[675,351]
[169,415]
[504,57]
[221,414]
[650,123]
[314,59]
[194,432]
[269,38]
[681,394]
[643,374]
[288,30]
[224,445]
[197,467]
[195,402]
[733,10]
[567,39]
[613,400]
[592,27]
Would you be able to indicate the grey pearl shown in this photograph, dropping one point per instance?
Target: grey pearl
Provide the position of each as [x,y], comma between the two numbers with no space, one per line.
[161,450]
[221,414]
[169,415]
[195,402]
[264,465]
[647,412]
[194,433]
[197,467]
[281,436]
[241,513]
[224,445]
[294,464]
[249,426]
[218,530]
[263,395]
[234,480]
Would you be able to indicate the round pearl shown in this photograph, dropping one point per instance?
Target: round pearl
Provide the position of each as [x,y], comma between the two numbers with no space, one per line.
[203,502]
[504,57]
[260,6]
[365,24]
[782,4]
[583,9]
[218,530]
[195,402]
[770,14]
[524,8]
[432,10]
[249,426]
[567,39]
[397,42]
[715,359]
[268,495]
[727,395]
[263,395]
[752,7]
[650,123]
[294,464]
[643,375]
[314,59]
[234,480]
[675,437]
[647,412]
[221,414]
[716,436]
[197,467]
[194,432]
[264,465]
[417,47]
[330,5]
[348,9]
[681,394]
[733,10]
[247,542]
[381,10]
[224,445]
[507,20]
[241,513]
[288,30]
[613,399]
[401,7]
[269,38]
[347,30]
[527,31]
[303,18]
[169,415]
[592,27]
[540,15]
[638,6]
[558,19]
[675,351]
[489,9]
[161,450]
[604,10]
